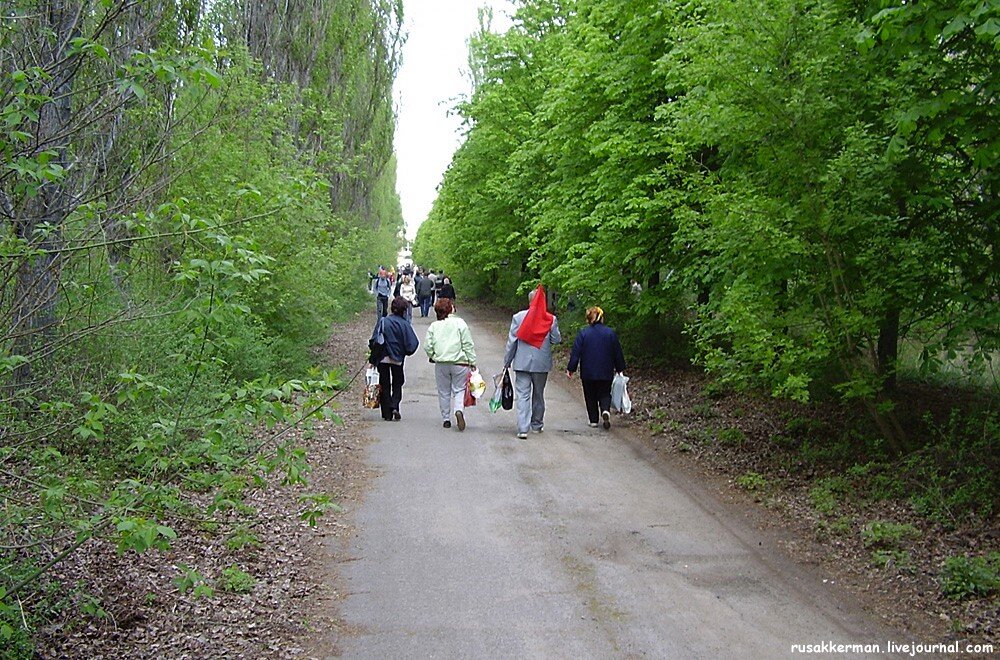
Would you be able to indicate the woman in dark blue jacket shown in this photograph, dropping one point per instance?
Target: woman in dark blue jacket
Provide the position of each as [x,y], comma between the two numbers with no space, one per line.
[598,353]
[398,341]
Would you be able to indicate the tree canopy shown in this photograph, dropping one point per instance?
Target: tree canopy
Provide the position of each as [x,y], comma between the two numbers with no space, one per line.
[805,187]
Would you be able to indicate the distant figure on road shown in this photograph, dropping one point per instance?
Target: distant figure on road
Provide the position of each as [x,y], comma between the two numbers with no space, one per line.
[382,289]
[434,280]
[399,341]
[447,290]
[598,353]
[529,352]
[438,283]
[449,346]
[425,294]
[408,292]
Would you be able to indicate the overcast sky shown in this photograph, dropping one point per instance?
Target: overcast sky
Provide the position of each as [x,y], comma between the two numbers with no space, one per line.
[433,76]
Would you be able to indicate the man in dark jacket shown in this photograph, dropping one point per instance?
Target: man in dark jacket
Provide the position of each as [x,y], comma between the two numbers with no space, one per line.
[598,353]
[425,294]
[382,288]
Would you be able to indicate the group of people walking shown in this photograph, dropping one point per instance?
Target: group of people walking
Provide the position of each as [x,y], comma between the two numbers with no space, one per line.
[418,288]
[448,343]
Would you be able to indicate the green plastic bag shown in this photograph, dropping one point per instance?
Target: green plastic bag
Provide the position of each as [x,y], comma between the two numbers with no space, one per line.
[495,400]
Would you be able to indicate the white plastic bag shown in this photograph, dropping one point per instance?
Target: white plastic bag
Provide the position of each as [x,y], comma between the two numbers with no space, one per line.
[620,399]
[477,384]
[496,400]
[373,391]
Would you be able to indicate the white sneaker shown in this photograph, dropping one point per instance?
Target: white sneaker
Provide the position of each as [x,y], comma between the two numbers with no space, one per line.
[592,425]
[522,436]
[538,430]
[606,416]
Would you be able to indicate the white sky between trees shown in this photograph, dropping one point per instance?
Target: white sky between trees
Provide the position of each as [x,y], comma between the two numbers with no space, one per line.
[433,76]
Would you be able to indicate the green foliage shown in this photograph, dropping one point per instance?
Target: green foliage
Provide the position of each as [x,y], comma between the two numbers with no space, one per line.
[826,493]
[898,559]
[887,535]
[956,473]
[187,205]
[753,482]
[140,535]
[15,640]
[192,581]
[799,188]
[731,436]
[237,581]
[964,577]
[314,506]
[241,538]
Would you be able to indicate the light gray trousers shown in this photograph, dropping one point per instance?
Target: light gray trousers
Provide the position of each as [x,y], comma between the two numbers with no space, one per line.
[529,397]
[450,379]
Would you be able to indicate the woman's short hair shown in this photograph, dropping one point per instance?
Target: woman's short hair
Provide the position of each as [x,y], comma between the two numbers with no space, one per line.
[399,305]
[443,307]
[595,315]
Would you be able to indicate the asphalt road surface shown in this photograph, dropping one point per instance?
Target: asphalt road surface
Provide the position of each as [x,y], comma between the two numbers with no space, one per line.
[574,543]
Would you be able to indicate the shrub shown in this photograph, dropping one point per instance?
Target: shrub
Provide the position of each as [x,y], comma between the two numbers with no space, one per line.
[236,580]
[752,481]
[957,472]
[898,558]
[731,436]
[824,496]
[964,576]
[885,534]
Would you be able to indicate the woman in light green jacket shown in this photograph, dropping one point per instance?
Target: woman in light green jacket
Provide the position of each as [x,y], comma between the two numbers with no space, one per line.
[449,346]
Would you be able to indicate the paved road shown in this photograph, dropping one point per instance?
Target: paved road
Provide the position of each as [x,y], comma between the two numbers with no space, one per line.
[570,544]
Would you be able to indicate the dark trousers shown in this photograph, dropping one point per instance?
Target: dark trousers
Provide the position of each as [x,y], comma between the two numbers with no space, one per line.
[425,304]
[390,378]
[381,306]
[597,394]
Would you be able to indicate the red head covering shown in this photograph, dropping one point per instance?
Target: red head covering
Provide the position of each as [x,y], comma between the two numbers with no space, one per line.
[537,322]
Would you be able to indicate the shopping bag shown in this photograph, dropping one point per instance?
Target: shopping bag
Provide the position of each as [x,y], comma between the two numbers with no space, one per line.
[495,399]
[506,391]
[620,399]
[470,399]
[373,390]
[376,345]
[477,384]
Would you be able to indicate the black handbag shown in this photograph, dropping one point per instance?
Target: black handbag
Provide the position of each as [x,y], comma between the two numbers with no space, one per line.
[376,345]
[506,391]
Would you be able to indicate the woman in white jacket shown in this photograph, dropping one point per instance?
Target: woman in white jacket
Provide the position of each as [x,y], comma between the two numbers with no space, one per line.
[408,292]
[449,346]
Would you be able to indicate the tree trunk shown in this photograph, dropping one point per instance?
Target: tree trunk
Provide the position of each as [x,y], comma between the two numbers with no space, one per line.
[888,349]
[37,283]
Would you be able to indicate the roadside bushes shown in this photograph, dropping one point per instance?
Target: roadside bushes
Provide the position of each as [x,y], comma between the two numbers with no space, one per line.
[172,248]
